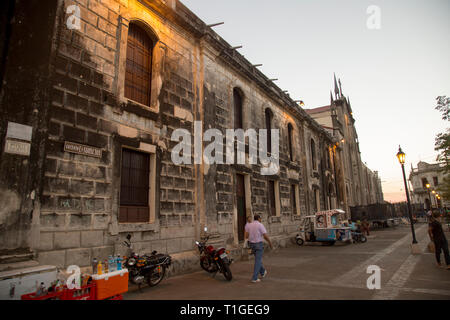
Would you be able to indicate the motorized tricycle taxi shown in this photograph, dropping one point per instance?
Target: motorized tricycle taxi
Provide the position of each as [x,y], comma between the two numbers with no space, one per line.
[325,226]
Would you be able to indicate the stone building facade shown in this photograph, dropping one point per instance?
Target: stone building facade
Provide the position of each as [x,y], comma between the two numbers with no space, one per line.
[427,173]
[102,100]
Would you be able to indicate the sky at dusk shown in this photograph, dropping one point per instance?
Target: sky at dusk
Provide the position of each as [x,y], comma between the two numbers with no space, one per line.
[392,74]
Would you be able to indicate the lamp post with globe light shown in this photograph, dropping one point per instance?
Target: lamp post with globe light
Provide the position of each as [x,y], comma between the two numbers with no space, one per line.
[401,158]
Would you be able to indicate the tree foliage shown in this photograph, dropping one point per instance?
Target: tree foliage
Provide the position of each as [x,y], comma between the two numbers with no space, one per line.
[442,145]
[443,106]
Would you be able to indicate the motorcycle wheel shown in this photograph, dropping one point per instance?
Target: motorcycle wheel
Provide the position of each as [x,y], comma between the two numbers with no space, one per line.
[299,241]
[205,264]
[363,239]
[155,277]
[226,271]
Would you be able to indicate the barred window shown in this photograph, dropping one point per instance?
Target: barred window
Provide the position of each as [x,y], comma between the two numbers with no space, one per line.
[268,118]
[290,140]
[313,155]
[237,99]
[134,187]
[138,73]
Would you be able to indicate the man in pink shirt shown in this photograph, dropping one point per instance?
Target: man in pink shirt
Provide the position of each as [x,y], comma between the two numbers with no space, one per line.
[255,233]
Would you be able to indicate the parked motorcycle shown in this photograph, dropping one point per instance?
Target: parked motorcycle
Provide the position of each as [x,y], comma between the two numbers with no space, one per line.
[146,268]
[212,260]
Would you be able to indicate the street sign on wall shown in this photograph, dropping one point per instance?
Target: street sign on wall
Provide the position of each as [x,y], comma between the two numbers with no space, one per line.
[17,147]
[82,149]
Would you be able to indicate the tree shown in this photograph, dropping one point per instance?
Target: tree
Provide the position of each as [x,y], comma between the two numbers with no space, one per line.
[442,145]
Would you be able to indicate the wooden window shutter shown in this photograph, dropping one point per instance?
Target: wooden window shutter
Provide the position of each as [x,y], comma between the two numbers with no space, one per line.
[134,187]
[272,207]
[138,73]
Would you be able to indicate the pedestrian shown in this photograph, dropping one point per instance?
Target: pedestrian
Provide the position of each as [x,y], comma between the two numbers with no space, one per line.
[438,237]
[365,226]
[255,233]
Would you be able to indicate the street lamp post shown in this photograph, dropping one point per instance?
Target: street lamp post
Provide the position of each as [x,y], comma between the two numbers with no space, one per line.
[401,159]
[429,195]
[434,197]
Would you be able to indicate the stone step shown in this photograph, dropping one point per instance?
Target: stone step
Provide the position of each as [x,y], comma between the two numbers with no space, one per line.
[20,257]
[18,265]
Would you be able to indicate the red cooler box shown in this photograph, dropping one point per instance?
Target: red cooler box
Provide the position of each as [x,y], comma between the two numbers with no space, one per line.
[111,284]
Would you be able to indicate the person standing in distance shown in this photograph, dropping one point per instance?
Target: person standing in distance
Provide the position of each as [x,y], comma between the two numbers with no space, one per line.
[440,241]
[255,233]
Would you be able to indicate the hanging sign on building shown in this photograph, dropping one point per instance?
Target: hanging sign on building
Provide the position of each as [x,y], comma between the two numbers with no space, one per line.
[17,147]
[18,138]
[19,131]
[82,149]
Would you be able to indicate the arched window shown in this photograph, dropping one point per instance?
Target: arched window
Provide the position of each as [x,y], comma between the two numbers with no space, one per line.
[327,158]
[290,141]
[313,154]
[237,99]
[138,73]
[269,116]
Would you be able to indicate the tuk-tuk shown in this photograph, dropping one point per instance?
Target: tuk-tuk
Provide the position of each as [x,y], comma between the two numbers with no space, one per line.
[325,226]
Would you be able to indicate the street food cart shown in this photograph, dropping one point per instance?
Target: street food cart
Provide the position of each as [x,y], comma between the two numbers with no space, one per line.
[324,226]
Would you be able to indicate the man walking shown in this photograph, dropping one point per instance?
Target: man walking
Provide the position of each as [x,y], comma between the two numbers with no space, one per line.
[438,237]
[255,233]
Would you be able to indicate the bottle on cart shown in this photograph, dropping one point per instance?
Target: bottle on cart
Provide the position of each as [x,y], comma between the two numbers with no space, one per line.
[111,263]
[42,290]
[119,262]
[99,268]
[105,265]
[37,289]
[94,265]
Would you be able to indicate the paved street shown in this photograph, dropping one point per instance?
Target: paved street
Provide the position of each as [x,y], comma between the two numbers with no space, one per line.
[320,272]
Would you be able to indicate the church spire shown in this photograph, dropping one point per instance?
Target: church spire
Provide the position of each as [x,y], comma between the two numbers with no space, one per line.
[336,89]
[331,98]
[340,87]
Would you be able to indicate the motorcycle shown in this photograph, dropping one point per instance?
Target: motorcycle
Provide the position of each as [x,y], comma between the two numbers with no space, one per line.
[212,260]
[358,237]
[146,268]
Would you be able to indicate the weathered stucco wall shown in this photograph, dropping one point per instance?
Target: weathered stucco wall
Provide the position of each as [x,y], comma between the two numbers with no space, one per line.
[194,73]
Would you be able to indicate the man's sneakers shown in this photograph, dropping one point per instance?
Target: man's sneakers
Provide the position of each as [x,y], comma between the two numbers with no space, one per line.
[262,276]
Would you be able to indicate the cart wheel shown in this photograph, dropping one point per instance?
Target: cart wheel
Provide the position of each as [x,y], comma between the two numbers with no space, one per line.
[363,239]
[299,241]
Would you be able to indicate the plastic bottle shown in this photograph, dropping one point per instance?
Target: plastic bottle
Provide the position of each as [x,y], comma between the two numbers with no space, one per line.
[111,264]
[105,265]
[42,290]
[99,268]
[119,262]
[94,265]
[37,289]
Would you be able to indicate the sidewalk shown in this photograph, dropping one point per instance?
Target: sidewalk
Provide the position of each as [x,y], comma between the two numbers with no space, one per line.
[320,272]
